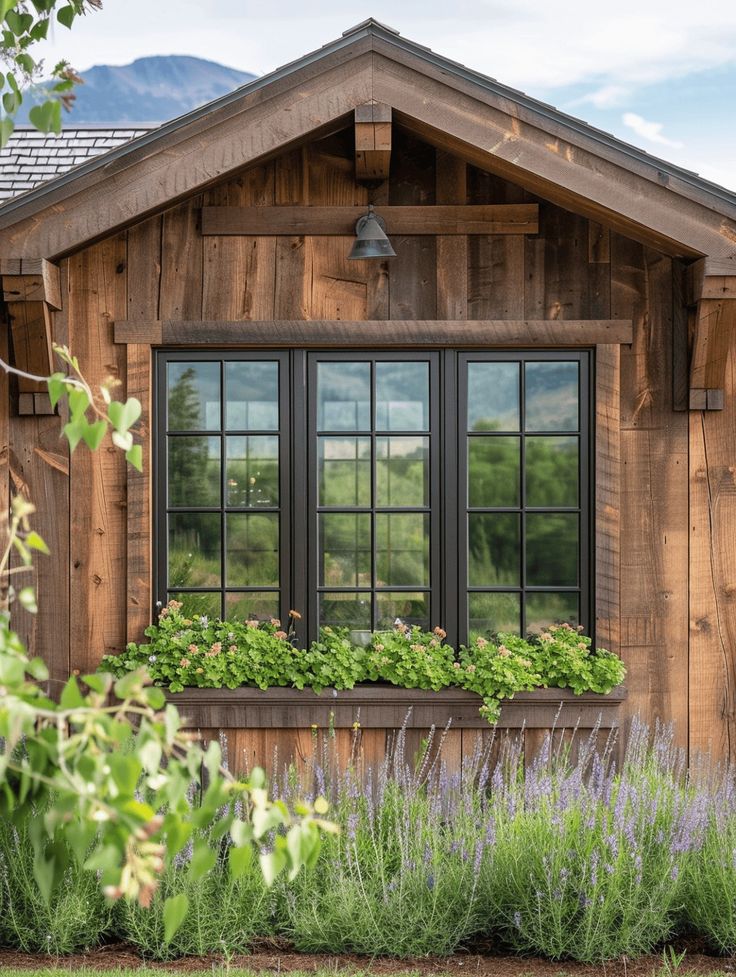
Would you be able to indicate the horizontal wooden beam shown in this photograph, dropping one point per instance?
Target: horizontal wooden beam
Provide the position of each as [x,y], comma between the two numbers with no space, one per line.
[372,142]
[31,280]
[386,707]
[381,332]
[711,278]
[440,219]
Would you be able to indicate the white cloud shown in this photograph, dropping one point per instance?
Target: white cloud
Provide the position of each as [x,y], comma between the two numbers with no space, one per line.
[651,131]
[606,97]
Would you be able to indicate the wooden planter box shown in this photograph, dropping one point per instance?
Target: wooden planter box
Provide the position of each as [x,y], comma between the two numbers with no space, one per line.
[377,706]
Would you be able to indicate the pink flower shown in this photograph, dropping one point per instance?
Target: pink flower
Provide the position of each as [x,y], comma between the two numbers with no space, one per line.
[252,623]
[275,622]
[232,649]
[193,650]
[184,663]
[456,664]
[503,651]
[440,632]
[216,648]
[280,634]
[175,605]
[481,642]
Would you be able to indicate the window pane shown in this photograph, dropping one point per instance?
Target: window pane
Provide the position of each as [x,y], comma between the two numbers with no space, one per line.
[402,549]
[194,549]
[252,607]
[493,396]
[252,389]
[493,472]
[551,471]
[552,396]
[253,471]
[345,611]
[344,471]
[344,396]
[493,549]
[193,396]
[544,610]
[252,558]
[345,549]
[402,471]
[194,471]
[195,605]
[402,396]
[490,613]
[409,608]
[551,549]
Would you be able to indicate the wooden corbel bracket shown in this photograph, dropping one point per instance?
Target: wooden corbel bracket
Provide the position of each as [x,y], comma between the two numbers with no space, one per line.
[372,142]
[31,288]
[711,289]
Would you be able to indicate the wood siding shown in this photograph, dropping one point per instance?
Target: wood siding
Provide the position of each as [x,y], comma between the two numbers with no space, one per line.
[670,610]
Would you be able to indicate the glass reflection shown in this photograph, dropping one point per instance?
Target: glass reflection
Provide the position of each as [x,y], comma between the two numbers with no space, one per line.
[343,396]
[344,471]
[493,472]
[493,396]
[253,606]
[552,396]
[345,611]
[345,549]
[551,549]
[252,392]
[196,605]
[545,610]
[194,549]
[402,396]
[411,608]
[402,549]
[194,471]
[493,549]
[552,471]
[252,554]
[490,613]
[402,471]
[253,471]
[193,396]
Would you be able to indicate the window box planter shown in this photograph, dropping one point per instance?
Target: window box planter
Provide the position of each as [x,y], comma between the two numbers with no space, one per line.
[378,706]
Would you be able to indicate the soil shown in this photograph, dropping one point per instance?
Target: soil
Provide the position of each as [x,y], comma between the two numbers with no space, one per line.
[276,958]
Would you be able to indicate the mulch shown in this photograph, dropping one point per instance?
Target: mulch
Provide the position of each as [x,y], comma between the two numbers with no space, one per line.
[275,958]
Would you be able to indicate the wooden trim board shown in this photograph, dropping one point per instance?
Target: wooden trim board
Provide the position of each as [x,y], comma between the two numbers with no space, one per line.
[378,333]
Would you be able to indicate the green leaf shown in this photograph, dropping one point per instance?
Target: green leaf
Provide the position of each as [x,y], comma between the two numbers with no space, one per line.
[134,455]
[66,16]
[122,441]
[27,598]
[73,432]
[35,542]
[272,865]
[203,859]
[5,6]
[124,416]
[57,387]
[46,116]
[240,860]
[94,434]
[71,697]
[6,131]
[175,911]
[18,23]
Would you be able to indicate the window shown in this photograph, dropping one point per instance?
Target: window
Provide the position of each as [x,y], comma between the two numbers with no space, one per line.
[438,487]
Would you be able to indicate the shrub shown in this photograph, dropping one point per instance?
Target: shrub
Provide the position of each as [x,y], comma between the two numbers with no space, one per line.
[74,919]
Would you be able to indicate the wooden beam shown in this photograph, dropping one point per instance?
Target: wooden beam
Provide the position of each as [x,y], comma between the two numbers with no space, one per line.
[711,288]
[380,332]
[340,221]
[30,328]
[372,141]
[31,280]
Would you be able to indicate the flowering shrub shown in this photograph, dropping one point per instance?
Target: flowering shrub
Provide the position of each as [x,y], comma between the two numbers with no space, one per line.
[209,653]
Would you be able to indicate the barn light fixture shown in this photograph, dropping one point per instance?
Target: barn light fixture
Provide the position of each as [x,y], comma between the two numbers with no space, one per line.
[370,238]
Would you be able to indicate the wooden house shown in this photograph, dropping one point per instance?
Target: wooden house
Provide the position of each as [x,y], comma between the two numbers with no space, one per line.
[528,414]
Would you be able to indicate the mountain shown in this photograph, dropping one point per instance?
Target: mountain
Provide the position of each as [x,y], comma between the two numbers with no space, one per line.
[153,89]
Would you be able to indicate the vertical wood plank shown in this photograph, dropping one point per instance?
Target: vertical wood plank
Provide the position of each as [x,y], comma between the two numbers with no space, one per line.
[496,277]
[182,259]
[607,496]
[654,492]
[599,271]
[290,174]
[144,285]
[712,587]
[4,445]
[565,264]
[98,485]
[452,250]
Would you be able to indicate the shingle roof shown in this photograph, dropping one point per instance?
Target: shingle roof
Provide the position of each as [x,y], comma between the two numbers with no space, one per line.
[32,157]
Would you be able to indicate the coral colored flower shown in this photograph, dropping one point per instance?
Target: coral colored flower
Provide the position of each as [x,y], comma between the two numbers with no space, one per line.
[232,649]
[503,651]
[175,605]
[164,612]
[252,623]
[184,663]
[275,622]
[280,634]
[193,649]
[440,632]
[296,615]
[481,642]
[216,648]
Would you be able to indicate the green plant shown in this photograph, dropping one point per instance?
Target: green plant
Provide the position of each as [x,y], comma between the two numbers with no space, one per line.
[411,658]
[497,671]
[710,880]
[564,658]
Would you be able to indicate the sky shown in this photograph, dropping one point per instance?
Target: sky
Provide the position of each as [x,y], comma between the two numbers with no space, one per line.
[660,74]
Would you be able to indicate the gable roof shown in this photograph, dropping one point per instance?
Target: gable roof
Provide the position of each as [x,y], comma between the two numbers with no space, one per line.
[487,123]
[31,158]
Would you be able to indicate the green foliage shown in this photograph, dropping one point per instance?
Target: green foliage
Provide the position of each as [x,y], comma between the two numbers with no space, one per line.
[23,24]
[710,881]
[204,652]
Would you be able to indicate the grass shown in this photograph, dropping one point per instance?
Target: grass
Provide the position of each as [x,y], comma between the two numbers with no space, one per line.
[225,971]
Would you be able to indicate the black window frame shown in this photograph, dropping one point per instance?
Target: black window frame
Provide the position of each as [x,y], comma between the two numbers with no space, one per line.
[299,464]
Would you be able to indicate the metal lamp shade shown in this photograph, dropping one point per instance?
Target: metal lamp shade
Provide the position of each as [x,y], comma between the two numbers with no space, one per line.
[370,239]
